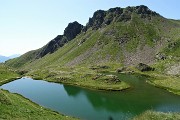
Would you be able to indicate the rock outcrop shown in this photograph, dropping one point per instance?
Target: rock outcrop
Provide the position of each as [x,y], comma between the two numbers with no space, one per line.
[70,32]
[102,18]
[143,67]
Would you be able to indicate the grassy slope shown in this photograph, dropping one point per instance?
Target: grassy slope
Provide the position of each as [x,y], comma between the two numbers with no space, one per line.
[93,77]
[16,107]
[101,47]
[106,40]
[171,51]
[7,75]
[168,82]
[151,115]
[54,70]
[163,80]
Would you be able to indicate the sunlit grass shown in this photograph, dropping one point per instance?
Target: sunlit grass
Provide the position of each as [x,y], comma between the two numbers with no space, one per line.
[16,107]
[7,74]
[152,115]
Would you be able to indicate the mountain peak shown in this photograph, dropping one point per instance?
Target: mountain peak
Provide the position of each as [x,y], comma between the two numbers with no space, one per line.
[101,17]
[70,32]
[142,9]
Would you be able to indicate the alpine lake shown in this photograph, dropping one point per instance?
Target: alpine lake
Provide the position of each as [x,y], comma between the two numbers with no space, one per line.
[89,104]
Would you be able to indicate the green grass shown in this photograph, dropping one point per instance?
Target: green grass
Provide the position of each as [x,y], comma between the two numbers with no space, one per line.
[7,74]
[173,49]
[168,83]
[92,78]
[16,107]
[152,115]
[156,78]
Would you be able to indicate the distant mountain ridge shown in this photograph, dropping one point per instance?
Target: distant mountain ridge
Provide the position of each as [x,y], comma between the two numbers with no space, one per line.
[124,36]
[14,56]
[3,58]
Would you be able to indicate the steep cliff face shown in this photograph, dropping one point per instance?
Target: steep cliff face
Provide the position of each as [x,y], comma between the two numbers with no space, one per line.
[70,32]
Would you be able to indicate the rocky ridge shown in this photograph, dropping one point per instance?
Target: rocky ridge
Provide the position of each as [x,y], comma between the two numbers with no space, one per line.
[70,32]
[102,18]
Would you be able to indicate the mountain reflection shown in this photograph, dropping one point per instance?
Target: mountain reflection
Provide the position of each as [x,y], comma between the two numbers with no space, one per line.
[94,104]
[134,101]
[71,90]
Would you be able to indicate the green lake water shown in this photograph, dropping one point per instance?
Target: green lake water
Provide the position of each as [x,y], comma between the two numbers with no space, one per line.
[97,105]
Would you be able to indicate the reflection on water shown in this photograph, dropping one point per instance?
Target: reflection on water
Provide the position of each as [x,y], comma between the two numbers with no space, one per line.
[97,105]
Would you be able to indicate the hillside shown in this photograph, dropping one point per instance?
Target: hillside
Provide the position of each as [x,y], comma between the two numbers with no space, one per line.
[7,74]
[70,32]
[122,35]
[14,106]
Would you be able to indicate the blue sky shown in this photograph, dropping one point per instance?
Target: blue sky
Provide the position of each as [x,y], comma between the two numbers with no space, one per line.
[29,24]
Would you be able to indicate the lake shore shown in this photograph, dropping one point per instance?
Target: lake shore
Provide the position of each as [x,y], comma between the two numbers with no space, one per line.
[171,84]
[148,116]
[52,113]
[97,86]
[8,80]
[15,106]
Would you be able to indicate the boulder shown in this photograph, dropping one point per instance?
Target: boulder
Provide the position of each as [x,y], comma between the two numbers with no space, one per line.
[112,78]
[143,67]
[122,69]
[161,56]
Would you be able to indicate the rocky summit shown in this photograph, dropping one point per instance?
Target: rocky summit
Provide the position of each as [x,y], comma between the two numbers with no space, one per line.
[103,18]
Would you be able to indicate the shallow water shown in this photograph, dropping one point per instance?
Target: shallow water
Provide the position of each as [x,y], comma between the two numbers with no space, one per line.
[97,105]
